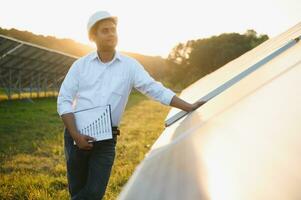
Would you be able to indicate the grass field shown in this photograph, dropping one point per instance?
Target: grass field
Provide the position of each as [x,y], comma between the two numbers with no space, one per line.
[32,162]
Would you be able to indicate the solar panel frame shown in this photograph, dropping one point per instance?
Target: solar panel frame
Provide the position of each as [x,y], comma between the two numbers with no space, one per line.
[25,66]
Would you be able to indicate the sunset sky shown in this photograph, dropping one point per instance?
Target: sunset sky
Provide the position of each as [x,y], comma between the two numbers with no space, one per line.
[152,27]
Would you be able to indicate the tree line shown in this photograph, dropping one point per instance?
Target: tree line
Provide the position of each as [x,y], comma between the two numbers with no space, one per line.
[194,59]
[186,63]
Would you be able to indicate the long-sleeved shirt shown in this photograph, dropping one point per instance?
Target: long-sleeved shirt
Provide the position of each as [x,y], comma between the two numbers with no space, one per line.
[90,83]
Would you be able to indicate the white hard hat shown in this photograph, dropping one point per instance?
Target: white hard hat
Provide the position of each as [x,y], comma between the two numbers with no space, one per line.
[99,15]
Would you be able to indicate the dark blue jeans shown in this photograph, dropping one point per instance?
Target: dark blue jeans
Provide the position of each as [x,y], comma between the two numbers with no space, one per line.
[88,171]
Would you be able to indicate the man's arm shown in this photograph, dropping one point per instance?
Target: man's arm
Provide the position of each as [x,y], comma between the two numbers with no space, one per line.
[183,105]
[69,122]
[145,84]
[148,86]
[81,140]
[67,93]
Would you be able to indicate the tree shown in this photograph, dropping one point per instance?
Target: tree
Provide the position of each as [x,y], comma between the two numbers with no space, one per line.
[196,58]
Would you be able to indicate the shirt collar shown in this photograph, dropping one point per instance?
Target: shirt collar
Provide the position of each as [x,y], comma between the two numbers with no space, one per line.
[117,56]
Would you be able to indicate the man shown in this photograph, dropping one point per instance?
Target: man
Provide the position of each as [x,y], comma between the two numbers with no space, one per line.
[100,78]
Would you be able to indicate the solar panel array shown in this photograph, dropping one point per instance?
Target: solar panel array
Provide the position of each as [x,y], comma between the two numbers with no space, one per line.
[31,69]
[244,143]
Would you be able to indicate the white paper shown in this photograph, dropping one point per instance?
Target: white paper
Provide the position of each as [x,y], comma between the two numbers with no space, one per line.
[95,122]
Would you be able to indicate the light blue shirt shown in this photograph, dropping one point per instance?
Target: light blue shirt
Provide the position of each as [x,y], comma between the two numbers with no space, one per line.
[90,83]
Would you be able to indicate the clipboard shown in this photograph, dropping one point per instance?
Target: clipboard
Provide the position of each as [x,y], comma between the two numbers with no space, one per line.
[95,122]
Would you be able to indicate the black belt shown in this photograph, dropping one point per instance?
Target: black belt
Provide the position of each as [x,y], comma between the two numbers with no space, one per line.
[115,130]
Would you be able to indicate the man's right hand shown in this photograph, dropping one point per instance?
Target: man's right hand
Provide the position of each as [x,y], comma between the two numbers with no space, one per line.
[82,141]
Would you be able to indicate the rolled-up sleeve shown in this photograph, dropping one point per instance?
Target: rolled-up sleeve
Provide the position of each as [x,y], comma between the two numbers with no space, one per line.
[68,91]
[144,83]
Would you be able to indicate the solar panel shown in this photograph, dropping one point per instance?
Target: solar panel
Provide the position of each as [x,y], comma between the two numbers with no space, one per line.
[236,78]
[242,144]
[27,67]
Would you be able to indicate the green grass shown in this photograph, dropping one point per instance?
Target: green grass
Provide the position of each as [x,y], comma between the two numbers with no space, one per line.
[32,162]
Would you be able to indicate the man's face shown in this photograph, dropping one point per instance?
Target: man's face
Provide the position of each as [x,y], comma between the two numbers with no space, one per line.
[106,35]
